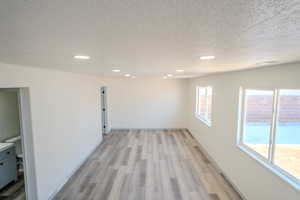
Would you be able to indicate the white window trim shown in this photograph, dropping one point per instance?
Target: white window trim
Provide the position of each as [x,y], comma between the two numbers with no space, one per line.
[201,118]
[205,121]
[266,162]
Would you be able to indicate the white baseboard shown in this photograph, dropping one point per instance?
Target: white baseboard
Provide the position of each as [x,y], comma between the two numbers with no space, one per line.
[67,178]
[146,129]
[216,166]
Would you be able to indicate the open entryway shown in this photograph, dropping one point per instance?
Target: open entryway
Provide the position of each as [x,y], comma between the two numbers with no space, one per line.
[17,174]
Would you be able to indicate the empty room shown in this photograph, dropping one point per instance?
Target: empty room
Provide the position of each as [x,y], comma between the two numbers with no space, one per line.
[150,100]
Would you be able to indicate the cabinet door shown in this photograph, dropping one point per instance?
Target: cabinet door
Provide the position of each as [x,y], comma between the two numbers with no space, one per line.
[8,170]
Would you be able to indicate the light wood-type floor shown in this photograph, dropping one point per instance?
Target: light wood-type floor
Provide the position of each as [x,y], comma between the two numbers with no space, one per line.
[14,190]
[148,165]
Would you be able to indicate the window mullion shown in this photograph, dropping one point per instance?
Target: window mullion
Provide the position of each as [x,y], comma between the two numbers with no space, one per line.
[274,125]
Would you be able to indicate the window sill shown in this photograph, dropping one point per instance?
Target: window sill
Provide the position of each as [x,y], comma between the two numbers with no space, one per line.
[274,169]
[208,123]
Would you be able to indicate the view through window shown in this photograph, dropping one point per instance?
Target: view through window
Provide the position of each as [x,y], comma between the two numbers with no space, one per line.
[271,128]
[203,105]
[258,120]
[287,148]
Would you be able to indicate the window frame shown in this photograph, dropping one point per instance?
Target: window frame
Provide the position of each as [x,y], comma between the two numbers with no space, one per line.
[205,119]
[269,161]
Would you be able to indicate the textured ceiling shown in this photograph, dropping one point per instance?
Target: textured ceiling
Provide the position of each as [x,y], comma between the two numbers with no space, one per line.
[149,37]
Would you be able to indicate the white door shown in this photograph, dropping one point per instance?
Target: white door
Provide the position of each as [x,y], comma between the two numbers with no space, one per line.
[104,110]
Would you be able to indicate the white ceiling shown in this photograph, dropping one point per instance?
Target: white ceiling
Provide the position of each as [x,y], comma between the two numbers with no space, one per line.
[149,37]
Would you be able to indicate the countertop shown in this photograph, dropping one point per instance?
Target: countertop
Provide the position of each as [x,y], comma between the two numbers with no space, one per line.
[4,146]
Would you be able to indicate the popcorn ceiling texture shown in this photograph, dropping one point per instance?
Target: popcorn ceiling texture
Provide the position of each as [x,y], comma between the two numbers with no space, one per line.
[149,37]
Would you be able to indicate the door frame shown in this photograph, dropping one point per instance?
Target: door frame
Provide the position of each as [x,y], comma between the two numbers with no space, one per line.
[26,134]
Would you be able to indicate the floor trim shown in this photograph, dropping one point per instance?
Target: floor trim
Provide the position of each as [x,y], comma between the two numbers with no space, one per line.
[147,129]
[65,181]
[216,166]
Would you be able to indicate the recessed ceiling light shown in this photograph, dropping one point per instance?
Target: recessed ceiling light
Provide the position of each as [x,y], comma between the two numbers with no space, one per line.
[270,62]
[116,70]
[207,57]
[169,75]
[179,70]
[127,75]
[82,57]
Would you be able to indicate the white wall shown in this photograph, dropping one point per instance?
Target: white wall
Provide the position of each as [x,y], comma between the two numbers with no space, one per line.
[147,103]
[252,179]
[65,119]
[9,115]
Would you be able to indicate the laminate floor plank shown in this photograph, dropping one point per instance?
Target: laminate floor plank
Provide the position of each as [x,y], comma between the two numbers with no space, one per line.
[148,165]
[14,190]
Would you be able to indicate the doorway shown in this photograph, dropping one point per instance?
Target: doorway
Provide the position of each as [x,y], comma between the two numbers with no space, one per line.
[17,172]
[104,119]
